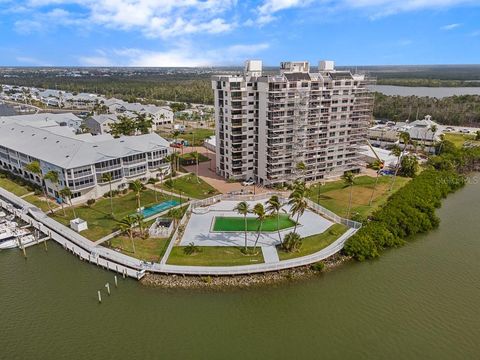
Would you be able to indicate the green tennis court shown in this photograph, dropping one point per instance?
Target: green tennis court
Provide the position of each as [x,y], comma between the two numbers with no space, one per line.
[237,223]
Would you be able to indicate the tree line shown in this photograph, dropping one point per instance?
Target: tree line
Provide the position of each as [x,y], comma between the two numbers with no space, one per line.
[411,210]
[453,110]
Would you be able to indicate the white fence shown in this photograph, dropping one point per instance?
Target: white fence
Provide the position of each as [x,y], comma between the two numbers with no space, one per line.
[123,264]
[314,206]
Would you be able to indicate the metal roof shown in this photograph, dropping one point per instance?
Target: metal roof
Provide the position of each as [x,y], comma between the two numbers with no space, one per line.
[69,151]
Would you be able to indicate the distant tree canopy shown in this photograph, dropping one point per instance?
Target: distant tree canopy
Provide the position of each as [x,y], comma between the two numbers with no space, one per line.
[154,88]
[147,87]
[453,110]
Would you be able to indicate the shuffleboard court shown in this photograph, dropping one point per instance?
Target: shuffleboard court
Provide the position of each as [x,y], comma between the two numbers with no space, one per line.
[237,223]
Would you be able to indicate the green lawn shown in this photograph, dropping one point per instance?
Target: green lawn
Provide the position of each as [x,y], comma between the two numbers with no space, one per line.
[460,139]
[335,195]
[314,243]
[100,222]
[200,135]
[41,204]
[214,256]
[233,223]
[13,187]
[190,186]
[151,249]
[189,159]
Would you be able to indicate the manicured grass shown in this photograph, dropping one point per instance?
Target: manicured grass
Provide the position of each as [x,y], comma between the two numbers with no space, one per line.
[13,187]
[100,222]
[214,256]
[190,186]
[314,243]
[41,204]
[189,159]
[459,139]
[335,195]
[200,135]
[150,249]
[233,223]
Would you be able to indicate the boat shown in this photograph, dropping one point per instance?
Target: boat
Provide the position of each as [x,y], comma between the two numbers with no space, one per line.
[12,241]
[26,240]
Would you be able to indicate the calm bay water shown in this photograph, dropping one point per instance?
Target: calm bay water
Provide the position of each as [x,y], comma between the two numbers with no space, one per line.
[420,301]
[439,92]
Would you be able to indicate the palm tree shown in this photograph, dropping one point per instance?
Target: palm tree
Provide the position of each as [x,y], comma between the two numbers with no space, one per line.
[160,172]
[259,210]
[197,156]
[397,152]
[137,187]
[349,179]
[273,207]
[126,226]
[301,167]
[405,138]
[34,168]
[433,129]
[243,209]
[374,186]
[66,193]
[53,177]
[175,214]
[139,219]
[107,177]
[291,242]
[297,202]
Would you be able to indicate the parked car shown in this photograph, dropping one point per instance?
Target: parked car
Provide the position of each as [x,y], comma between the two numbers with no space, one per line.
[248,182]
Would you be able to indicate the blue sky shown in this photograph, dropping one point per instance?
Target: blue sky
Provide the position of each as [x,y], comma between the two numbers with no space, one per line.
[226,32]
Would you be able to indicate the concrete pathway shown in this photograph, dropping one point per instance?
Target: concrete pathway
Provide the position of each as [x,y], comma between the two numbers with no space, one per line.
[270,254]
[27,194]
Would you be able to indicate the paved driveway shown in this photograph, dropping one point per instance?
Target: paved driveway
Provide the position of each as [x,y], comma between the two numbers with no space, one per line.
[206,170]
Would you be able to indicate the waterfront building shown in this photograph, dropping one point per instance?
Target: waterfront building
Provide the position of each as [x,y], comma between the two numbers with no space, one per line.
[80,160]
[268,124]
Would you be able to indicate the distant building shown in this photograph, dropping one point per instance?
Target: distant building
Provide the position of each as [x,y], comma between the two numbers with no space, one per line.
[48,119]
[267,124]
[424,133]
[160,115]
[100,124]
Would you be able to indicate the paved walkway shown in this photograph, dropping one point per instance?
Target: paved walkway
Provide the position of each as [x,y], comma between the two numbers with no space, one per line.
[198,229]
[270,254]
[121,263]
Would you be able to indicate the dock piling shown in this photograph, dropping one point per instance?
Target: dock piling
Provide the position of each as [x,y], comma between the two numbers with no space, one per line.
[116,281]
[107,285]
[99,297]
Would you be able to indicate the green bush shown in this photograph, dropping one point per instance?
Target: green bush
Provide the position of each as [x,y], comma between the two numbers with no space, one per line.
[90,202]
[319,266]
[408,212]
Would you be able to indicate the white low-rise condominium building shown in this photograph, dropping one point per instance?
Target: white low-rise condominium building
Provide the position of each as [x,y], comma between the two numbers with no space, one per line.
[268,124]
[81,160]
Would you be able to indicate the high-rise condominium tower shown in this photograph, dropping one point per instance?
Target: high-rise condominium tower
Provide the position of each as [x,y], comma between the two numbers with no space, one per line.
[268,125]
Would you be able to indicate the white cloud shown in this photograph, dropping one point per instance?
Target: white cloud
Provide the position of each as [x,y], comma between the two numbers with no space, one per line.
[388,7]
[184,55]
[154,18]
[450,27]
[267,11]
